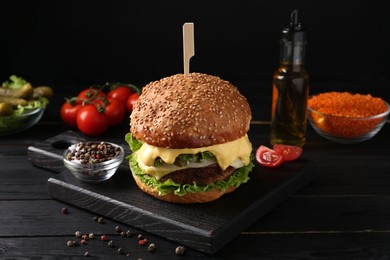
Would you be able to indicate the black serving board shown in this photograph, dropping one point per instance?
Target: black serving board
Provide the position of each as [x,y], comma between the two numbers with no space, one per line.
[205,227]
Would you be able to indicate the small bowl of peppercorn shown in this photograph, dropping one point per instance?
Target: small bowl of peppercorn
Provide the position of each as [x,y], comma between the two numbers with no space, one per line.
[93,161]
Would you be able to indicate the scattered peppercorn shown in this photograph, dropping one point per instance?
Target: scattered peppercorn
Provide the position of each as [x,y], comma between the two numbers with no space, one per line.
[84,237]
[118,229]
[86,253]
[128,233]
[180,250]
[95,218]
[65,210]
[151,248]
[140,236]
[91,235]
[121,251]
[123,233]
[69,243]
[77,234]
[110,243]
[142,242]
[101,220]
[83,242]
[103,238]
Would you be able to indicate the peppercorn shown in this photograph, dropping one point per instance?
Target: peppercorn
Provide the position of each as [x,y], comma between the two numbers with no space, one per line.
[128,233]
[121,251]
[69,243]
[140,236]
[91,235]
[65,210]
[142,242]
[77,234]
[180,250]
[118,229]
[110,243]
[123,233]
[86,253]
[84,237]
[83,242]
[151,248]
[95,218]
[100,220]
[103,238]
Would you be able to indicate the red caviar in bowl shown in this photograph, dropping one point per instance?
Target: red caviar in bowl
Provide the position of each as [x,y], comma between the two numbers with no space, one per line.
[346,115]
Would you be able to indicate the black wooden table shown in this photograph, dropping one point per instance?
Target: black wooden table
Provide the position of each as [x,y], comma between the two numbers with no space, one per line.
[342,214]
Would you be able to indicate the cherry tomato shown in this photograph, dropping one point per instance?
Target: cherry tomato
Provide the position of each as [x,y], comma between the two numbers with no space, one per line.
[91,122]
[89,93]
[131,101]
[115,111]
[121,93]
[289,152]
[268,157]
[69,114]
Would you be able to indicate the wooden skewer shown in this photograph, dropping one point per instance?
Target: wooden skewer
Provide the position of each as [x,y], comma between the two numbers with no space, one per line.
[188,46]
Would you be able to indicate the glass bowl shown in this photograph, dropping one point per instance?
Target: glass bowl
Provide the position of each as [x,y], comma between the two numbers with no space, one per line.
[94,170]
[343,129]
[17,123]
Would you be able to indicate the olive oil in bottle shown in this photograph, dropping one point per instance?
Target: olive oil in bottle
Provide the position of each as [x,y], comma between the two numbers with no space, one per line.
[290,88]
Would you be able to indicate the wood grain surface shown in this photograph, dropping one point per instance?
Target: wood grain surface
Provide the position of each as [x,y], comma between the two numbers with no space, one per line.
[205,227]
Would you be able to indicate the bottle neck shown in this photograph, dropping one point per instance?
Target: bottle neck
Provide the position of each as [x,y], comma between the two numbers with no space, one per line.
[292,53]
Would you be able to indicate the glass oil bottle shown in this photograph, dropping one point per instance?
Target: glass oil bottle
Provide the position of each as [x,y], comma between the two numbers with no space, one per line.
[290,88]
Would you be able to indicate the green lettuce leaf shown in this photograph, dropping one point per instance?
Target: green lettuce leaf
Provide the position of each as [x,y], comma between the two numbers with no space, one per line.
[15,82]
[134,144]
[41,102]
[239,177]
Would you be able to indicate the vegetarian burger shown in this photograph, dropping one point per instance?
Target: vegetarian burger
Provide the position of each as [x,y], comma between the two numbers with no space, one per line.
[189,138]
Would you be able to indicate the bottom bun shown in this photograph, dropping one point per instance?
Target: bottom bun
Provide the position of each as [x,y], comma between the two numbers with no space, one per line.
[198,197]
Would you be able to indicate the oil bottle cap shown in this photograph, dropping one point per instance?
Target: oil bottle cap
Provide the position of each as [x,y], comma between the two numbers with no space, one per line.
[294,31]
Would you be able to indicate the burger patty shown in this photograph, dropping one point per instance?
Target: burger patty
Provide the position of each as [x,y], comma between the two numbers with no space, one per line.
[201,176]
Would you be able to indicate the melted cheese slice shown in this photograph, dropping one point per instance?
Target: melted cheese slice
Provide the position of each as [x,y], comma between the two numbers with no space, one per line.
[235,153]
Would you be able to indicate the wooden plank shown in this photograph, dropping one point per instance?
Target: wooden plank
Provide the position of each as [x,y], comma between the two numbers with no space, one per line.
[20,180]
[205,227]
[364,245]
[55,248]
[328,214]
[296,215]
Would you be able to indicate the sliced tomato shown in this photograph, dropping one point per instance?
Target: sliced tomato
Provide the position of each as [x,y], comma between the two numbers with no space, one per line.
[268,157]
[289,152]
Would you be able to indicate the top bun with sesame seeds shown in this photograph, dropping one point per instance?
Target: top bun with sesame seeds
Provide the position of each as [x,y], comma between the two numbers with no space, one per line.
[188,137]
[190,112]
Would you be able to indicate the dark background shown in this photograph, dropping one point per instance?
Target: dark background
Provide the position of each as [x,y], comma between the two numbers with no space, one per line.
[85,42]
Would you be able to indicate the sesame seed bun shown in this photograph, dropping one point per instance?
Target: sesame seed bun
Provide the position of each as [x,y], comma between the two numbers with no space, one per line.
[190,112]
